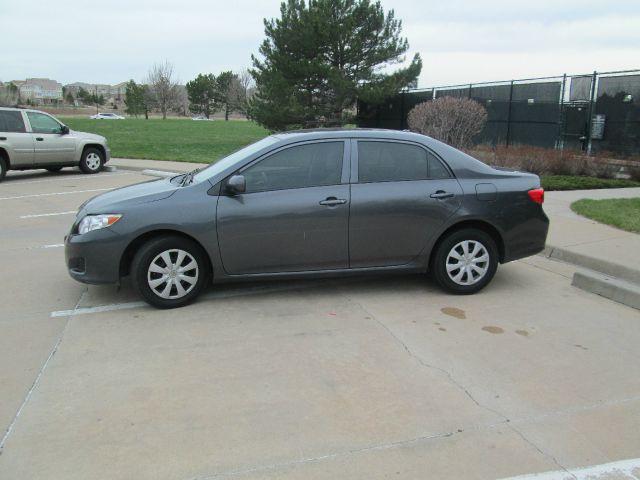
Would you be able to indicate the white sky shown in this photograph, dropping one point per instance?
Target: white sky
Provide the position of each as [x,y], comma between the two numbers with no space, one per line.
[460,41]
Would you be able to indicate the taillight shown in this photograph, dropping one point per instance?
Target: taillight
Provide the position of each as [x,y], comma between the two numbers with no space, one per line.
[537,195]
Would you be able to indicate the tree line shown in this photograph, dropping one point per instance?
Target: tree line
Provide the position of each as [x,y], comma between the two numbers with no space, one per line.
[206,94]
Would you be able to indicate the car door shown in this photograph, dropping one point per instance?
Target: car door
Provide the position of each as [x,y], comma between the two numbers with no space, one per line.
[15,138]
[293,215]
[50,144]
[401,194]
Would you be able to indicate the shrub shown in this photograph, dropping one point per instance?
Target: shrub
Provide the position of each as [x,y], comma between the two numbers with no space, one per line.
[454,121]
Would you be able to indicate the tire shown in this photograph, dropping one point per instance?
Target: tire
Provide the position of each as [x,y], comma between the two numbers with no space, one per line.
[54,169]
[92,160]
[3,168]
[156,275]
[474,274]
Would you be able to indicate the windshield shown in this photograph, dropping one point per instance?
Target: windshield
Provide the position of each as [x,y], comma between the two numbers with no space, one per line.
[228,161]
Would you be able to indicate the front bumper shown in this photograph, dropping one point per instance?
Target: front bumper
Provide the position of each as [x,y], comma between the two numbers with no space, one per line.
[94,257]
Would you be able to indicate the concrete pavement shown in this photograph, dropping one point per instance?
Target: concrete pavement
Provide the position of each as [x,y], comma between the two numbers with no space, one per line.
[361,378]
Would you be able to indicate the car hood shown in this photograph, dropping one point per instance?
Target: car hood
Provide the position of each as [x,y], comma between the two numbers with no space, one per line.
[88,136]
[117,200]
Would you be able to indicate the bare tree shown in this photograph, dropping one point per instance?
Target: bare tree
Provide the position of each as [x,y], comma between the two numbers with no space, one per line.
[241,90]
[451,120]
[162,86]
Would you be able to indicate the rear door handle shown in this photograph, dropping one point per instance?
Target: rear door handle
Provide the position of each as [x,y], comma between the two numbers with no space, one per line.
[3,138]
[333,201]
[39,139]
[441,194]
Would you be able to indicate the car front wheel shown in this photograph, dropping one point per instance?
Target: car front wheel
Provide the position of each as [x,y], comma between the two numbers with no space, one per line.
[170,272]
[465,261]
[91,161]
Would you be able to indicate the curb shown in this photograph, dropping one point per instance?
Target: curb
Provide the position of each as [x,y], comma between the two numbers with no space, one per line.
[611,269]
[614,289]
[607,279]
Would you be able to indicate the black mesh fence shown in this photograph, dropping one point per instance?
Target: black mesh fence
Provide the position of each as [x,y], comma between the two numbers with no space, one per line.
[549,112]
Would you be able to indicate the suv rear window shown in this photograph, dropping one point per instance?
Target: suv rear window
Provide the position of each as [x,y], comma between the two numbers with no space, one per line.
[11,121]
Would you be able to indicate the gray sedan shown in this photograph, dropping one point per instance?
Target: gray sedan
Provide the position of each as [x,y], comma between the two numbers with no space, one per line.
[310,204]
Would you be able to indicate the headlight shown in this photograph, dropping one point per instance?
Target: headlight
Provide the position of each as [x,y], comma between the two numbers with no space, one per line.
[96,222]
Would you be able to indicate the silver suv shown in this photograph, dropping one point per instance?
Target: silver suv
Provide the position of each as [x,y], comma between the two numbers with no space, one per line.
[32,139]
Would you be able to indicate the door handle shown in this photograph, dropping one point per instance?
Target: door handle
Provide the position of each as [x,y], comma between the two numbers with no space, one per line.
[39,139]
[3,138]
[333,201]
[441,194]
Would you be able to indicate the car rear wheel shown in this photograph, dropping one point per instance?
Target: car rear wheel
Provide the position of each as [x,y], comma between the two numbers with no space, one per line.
[91,161]
[54,169]
[3,168]
[170,272]
[465,261]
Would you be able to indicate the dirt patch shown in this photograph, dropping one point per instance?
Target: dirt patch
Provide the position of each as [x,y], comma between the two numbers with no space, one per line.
[495,330]
[454,312]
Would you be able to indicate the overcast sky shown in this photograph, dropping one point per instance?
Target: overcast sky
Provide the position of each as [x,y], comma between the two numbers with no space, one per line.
[460,41]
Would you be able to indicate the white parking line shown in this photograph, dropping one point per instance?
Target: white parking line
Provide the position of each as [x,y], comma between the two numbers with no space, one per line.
[16,179]
[235,292]
[55,245]
[49,214]
[55,193]
[623,469]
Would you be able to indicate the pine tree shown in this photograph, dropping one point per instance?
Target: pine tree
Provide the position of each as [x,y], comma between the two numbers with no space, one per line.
[318,59]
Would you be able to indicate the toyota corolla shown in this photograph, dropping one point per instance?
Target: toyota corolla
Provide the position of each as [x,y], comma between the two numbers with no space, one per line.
[308,204]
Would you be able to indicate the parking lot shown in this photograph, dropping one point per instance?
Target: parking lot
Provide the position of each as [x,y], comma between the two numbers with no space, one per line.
[383,377]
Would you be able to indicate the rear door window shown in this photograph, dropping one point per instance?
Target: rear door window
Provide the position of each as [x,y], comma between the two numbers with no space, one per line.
[396,162]
[11,121]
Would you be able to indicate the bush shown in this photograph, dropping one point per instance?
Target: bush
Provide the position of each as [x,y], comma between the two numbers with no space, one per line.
[564,182]
[454,121]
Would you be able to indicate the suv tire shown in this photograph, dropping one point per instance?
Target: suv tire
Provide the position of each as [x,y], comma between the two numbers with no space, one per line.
[92,160]
[3,168]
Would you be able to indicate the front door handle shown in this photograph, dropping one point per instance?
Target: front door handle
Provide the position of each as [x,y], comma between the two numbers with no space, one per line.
[441,194]
[3,138]
[39,139]
[333,201]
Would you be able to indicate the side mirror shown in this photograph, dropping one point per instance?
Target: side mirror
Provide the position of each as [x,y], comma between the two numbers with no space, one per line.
[64,130]
[236,184]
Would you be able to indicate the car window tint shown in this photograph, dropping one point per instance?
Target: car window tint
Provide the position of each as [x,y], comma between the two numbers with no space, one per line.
[302,166]
[395,162]
[437,169]
[11,122]
[43,123]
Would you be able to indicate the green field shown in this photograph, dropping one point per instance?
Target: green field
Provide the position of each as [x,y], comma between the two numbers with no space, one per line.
[623,213]
[171,139]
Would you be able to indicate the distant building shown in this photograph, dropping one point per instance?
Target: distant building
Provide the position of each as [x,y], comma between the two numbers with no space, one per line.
[39,90]
[108,91]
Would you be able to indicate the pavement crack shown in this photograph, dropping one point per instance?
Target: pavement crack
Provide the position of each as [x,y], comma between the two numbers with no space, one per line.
[461,387]
[425,364]
[39,376]
[542,452]
[329,456]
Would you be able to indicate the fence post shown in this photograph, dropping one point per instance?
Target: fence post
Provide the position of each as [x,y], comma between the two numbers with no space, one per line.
[402,94]
[561,117]
[508,140]
[591,100]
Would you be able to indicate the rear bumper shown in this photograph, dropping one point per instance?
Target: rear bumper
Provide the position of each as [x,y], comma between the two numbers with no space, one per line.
[526,239]
[94,257]
[107,154]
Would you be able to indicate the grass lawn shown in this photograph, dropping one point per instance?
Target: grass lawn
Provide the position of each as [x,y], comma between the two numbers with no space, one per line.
[564,182]
[171,139]
[622,213]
